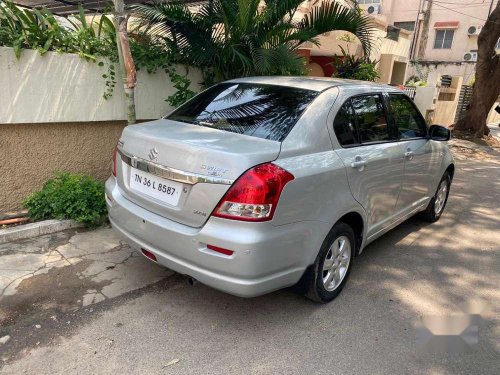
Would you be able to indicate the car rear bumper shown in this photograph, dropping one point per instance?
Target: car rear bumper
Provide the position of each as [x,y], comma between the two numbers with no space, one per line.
[265,257]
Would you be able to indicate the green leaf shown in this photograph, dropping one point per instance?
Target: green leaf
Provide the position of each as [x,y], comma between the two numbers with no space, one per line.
[69,196]
[233,38]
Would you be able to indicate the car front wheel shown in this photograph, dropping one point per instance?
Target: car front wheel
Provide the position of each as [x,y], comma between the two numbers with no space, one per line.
[438,202]
[330,271]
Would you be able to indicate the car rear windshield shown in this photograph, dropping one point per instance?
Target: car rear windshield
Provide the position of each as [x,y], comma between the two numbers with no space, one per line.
[263,111]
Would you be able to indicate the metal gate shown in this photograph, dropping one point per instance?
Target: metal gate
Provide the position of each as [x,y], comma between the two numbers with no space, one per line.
[463,101]
[410,91]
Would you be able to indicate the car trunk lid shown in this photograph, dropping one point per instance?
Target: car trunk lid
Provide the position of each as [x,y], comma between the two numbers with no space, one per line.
[197,163]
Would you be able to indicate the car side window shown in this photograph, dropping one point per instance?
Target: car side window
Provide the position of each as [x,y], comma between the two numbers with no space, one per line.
[344,127]
[370,118]
[406,118]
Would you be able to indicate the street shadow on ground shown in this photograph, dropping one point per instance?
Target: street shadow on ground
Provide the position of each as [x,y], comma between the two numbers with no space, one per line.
[415,270]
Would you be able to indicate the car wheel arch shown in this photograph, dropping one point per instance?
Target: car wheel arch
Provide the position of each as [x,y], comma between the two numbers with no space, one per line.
[357,223]
[356,219]
[451,170]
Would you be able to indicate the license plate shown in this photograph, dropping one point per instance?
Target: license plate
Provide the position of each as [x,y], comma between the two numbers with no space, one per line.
[156,187]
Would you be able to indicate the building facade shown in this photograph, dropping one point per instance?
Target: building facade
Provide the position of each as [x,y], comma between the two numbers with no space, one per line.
[391,50]
[444,33]
[413,38]
[420,40]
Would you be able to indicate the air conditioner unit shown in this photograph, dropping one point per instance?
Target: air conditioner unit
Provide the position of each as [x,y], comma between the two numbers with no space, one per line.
[374,9]
[470,56]
[474,30]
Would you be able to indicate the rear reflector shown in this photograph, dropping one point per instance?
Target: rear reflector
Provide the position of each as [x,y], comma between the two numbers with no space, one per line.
[220,250]
[149,255]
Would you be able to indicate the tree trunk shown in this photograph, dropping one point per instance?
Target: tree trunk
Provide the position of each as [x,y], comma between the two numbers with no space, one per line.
[127,67]
[487,87]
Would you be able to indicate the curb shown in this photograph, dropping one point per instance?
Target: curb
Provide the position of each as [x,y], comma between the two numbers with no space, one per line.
[36,229]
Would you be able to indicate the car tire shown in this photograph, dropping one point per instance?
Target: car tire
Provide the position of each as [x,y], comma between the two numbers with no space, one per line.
[325,279]
[438,202]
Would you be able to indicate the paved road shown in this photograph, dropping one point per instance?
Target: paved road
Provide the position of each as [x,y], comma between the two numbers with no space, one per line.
[100,308]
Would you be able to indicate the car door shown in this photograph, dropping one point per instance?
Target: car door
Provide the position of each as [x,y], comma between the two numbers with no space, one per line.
[419,158]
[373,160]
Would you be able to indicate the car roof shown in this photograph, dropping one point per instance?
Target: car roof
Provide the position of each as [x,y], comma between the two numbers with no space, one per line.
[313,83]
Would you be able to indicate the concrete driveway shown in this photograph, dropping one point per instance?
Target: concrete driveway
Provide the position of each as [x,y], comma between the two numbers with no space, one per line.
[83,302]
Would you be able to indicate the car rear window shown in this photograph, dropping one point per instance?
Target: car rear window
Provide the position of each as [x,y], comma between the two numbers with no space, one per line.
[263,111]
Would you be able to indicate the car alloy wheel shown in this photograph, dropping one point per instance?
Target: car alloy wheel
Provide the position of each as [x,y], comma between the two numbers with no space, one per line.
[336,263]
[438,202]
[324,280]
[441,195]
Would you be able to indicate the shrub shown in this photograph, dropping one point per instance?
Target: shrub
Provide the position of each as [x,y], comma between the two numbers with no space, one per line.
[69,196]
[246,37]
[421,76]
[148,54]
[352,67]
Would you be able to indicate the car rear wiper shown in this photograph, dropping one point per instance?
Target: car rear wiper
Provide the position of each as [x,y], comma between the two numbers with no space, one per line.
[206,123]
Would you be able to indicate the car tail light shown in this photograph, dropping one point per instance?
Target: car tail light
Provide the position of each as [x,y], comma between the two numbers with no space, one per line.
[254,196]
[115,151]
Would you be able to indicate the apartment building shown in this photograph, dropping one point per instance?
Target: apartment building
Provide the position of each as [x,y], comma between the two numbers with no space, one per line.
[439,35]
[444,32]
[391,47]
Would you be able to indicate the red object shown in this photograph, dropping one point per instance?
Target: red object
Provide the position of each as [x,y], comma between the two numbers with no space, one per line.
[16,220]
[304,52]
[149,255]
[220,250]
[259,187]
[446,25]
[114,160]
[326,64]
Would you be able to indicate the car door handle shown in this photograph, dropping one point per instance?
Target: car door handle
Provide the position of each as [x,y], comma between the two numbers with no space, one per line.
[409,154]
[358,163]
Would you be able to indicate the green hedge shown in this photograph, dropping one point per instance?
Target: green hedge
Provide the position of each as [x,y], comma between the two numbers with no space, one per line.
[69,196]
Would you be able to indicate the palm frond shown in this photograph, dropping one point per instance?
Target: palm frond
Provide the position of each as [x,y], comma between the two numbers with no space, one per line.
[245,37]
[331,16]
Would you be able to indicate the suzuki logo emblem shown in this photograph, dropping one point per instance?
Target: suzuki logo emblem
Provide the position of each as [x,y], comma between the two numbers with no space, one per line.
[153,153]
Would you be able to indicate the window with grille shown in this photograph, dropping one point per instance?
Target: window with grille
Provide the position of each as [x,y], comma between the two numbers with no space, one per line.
[392,33]
[407,25]
[444,38]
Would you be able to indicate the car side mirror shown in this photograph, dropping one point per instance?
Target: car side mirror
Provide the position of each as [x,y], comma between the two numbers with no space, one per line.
[439,133]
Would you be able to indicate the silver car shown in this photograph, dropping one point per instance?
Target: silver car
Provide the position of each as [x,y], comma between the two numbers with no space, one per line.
[262,183]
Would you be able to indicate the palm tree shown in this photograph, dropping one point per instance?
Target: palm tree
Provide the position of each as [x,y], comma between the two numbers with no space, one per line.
[235,38]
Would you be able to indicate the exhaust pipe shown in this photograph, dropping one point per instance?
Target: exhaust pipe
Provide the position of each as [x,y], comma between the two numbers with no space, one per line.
[192,281]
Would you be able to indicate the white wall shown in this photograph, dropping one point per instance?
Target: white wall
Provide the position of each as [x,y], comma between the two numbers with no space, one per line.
[400,11]
[425,98]
[66,88]
[494,116]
